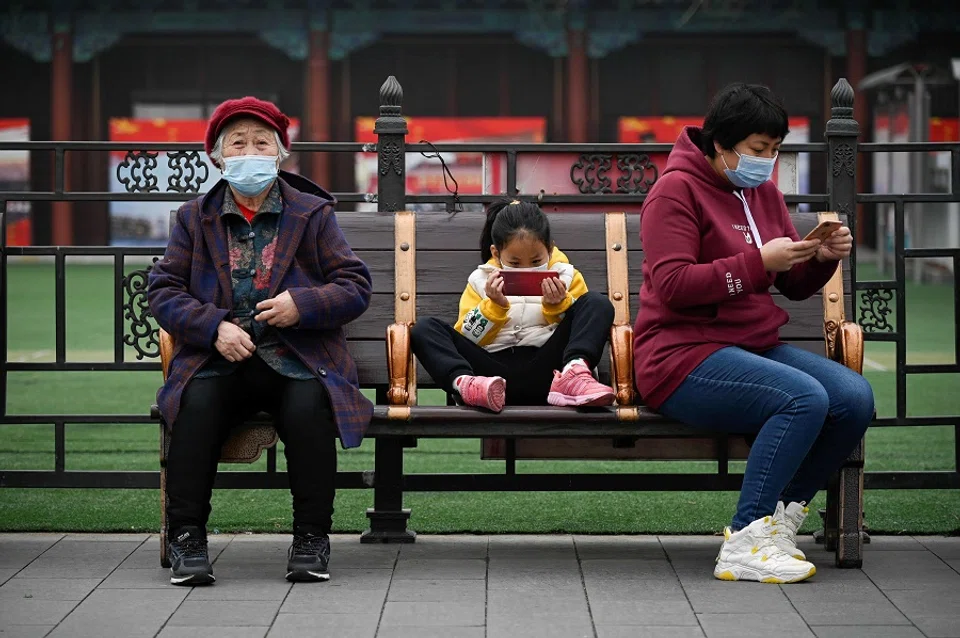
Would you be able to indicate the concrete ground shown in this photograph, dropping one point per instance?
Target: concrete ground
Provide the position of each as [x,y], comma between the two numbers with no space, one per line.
[77,585]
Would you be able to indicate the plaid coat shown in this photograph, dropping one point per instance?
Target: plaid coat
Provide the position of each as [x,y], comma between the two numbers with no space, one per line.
[190,294]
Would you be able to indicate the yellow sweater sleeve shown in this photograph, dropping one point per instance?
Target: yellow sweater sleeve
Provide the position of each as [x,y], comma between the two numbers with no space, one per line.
[554,312]
[480,319]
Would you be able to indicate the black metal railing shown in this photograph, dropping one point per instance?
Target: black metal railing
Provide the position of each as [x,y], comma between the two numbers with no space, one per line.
[614,174]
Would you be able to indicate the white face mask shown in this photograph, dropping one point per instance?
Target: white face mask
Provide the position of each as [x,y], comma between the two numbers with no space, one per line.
[540,268]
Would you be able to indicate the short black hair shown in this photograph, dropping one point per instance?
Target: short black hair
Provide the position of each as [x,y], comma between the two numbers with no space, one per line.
[738,111]
[507,219]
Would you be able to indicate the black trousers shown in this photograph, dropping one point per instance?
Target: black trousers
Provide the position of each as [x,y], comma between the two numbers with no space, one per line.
[304,421]
[446,354]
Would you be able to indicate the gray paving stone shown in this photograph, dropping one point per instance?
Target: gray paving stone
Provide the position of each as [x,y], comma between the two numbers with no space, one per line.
[431,632]
[946,547]
[893,570]
[234,613]
[18,553]
[628,570]
[830,592]
[939,626]
[671,542]
[866,631]
[154,578]
[101,538]
[643,613]
[560,628]
[850,612]
[436,547]
[338,625]
[214,632]
[247,553]
[29,611]
[923,602]
[440,569]
[25,631]
[511,546]
[48,589]
[738,598]
[312,598]
[252,588]
[739,625]
[619,547]
[523,584]
[121,612]
[79,559]
[613,591]
[437,591]
[893,543]
[7,574]
[634,631]
[359,579]
[433,614]
[355,559]
[505,603]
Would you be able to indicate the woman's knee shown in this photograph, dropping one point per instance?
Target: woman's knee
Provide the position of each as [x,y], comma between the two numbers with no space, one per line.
[809,395]
[856,401]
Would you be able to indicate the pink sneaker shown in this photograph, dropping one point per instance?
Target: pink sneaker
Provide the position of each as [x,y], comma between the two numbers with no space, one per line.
[577,387]
[483,392]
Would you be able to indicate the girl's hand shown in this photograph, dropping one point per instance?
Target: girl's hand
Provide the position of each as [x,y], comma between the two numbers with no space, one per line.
[837,246]
[782,254]
[494,289]
[554,290]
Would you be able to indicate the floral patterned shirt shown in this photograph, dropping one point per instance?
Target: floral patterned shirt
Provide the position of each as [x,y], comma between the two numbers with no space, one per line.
[252,246]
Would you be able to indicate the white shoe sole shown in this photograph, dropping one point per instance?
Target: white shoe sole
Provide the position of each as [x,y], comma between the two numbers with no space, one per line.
[731,571]
[193,579]
[308,577]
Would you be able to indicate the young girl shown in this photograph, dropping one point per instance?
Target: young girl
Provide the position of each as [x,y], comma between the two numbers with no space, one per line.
[520,350]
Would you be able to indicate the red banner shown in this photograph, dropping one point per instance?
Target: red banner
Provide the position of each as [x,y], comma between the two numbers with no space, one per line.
[15,176]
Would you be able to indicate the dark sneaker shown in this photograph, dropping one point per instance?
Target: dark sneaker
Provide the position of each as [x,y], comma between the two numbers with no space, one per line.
[308,558]
[189,563]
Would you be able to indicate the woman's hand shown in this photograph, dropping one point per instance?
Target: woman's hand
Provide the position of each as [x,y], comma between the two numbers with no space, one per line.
[782,254]
[837,246]
[233,342]
[280,311]
[554,291]
[494,289]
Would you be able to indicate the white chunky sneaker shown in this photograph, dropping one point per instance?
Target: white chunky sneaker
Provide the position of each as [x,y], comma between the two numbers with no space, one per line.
[753,554]
[789,519]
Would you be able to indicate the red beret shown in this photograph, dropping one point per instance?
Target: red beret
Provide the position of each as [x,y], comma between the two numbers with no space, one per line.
[266,112]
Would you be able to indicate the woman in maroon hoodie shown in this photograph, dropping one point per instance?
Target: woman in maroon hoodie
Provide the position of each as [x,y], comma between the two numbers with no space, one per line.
[717,237]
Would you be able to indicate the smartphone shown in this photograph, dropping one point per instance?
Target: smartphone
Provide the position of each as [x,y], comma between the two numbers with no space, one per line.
[823,230]
[525,283]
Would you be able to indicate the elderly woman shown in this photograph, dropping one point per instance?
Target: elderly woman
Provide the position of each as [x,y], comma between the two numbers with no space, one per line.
[255,287]
[717,237]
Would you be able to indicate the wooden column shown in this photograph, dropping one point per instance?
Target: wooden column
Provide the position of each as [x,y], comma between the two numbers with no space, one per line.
[316,103]
[61,113]
[578,87]
[856,70]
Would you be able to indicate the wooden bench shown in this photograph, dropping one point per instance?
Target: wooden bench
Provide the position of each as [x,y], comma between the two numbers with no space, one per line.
[419,265]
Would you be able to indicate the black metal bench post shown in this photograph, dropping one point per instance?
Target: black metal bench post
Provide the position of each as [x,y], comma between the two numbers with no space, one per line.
[843,515]
[388,518]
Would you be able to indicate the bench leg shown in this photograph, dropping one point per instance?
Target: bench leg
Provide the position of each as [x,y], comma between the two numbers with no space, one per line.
[388,519]
[164,446]
[850,534]
[828,515]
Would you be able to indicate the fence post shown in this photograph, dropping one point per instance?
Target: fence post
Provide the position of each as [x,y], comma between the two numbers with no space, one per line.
[388,518]
[843,520]
[391,131]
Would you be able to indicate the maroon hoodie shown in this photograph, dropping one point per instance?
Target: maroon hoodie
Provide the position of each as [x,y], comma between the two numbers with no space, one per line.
[704,284]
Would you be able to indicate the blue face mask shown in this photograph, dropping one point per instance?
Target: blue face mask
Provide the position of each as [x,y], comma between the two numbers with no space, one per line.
[751,171]
[250,175]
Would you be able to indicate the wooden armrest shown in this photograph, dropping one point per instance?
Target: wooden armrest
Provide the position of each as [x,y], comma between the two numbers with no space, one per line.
[166,351]
[621,353]
[399,364]
[849,346]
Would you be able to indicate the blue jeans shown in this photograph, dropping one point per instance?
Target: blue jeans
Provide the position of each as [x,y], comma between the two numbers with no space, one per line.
[807,412]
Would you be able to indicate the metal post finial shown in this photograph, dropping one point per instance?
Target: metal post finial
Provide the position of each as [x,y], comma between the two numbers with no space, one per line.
[841,97]
[391,96]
